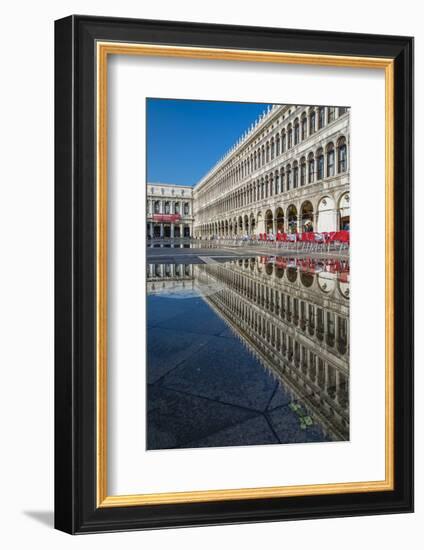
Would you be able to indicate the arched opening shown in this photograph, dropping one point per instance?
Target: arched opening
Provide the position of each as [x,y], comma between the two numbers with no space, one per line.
[260,223]
[246,224]
[306,279]
[330,160]
[292,274]
[268,221]
[307,217]
[319,155]
[279,219]
[326,215]
[341,155]
[252,224]
[292,219]
[344,212]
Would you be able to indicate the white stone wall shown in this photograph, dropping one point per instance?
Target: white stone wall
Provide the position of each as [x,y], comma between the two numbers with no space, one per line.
[272,179]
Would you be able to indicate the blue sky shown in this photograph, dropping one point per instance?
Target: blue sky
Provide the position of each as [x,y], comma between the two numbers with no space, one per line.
[186,138]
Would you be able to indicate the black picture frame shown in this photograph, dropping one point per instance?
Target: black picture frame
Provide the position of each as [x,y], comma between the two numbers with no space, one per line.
[76,509]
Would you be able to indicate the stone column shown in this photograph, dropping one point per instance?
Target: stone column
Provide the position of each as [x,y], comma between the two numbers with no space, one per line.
[151,230]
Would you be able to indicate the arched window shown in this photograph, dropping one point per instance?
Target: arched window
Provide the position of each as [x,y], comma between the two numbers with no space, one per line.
[342,155]
[289,137]
[282,182]
[342,110]
[157,207]
[304,126]
[295,175]
[177,207]
[302,171]
[277,152]
[311,168]
[330,160]
[288,176]
[276,183]
[283,141]
[263,155]
[321,117]
[255,160]
[320,164]
[272,149]
[296,132]
[186,209]
[267,152]
[331,114]
[312,122]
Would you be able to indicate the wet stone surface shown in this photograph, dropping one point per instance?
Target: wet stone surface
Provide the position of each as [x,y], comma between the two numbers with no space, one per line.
[207,389]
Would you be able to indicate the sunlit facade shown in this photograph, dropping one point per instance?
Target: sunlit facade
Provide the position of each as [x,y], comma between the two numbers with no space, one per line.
[288,174]
[169,211]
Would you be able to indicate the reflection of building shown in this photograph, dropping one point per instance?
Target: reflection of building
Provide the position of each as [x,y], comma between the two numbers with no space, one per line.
[290,173]
[169,211]
[166,278]
[295,320]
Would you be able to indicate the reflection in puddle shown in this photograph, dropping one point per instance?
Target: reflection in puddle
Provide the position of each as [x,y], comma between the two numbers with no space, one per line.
[248,352]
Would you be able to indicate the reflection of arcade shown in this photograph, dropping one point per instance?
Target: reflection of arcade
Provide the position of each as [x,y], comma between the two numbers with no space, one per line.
[169,277]
[293,315]
[296,322]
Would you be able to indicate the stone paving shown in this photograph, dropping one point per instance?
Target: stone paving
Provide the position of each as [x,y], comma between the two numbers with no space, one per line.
[206,389]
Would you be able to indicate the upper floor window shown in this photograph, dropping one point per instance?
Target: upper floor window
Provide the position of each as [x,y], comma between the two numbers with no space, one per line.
[296,133]
[288,177]
[320,164]
[289,138]
[342,110]
[157,207]
[295,175]
[167,208]
[312,122]
[177,207]
[311,168]
[321,115]
[303,171]
[330,160]
[304,127]
[283,142]
[186,209]
[277,149]
[331,114]
[342,155]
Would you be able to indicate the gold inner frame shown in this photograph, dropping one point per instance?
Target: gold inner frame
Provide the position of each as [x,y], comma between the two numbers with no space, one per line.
[104,49]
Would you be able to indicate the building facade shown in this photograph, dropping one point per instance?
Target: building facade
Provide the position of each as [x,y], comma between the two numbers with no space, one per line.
[289,173]
[169,211]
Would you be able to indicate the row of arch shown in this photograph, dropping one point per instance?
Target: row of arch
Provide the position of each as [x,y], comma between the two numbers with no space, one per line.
[328,215]
[282,141]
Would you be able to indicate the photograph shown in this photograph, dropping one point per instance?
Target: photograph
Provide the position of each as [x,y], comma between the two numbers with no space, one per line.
[248,273]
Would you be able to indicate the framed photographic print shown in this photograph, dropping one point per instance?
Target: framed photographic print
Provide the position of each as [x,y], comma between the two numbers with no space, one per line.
[233,274]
